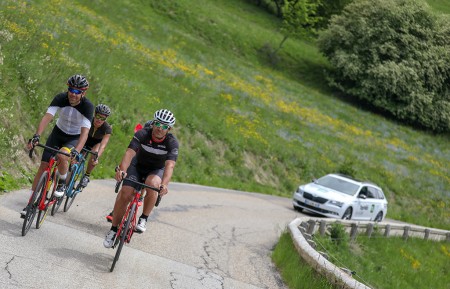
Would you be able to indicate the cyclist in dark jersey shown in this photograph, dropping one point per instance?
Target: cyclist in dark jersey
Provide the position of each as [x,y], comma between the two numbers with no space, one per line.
[147,125]
[70,131]
[98,138]
[150,158]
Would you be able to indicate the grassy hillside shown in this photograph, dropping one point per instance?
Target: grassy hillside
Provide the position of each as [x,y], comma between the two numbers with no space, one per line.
[244,120]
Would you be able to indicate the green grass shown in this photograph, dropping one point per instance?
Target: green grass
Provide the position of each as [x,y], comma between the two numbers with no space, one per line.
[393,262]
[295,271]
[245,120]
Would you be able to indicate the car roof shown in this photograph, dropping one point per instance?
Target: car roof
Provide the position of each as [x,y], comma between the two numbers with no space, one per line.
[356,181]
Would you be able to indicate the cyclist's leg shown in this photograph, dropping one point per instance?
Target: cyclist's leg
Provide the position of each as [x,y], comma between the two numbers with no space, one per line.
[153,179]
[66,143]
[90,165]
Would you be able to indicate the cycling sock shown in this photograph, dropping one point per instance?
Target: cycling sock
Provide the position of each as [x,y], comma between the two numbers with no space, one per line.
[62,178]
[87,174]
[114,228]
[143,217]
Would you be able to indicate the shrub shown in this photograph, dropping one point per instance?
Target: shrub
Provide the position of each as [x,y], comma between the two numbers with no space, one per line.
[394,55]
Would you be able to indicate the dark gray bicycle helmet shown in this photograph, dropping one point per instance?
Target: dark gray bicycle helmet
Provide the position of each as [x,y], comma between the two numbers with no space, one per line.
[164,116]
[103,109]
[78,81]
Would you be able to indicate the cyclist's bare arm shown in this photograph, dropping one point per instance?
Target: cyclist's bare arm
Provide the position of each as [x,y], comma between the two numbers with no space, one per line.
[103,144]
[46,119]
[82,140]
[124,164]
[168,171]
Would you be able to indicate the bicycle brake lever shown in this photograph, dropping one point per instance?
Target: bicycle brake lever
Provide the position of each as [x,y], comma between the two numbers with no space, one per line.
[158,200]
[30,153]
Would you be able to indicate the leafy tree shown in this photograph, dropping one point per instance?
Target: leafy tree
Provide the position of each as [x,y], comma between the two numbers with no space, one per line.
[299,18]
[394,54]
[327,9]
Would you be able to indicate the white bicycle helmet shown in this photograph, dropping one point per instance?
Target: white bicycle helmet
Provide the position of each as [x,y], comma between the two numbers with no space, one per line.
[164,116]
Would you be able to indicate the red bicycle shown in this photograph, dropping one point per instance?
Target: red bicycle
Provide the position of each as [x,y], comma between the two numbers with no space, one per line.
[40,199]
[127,226]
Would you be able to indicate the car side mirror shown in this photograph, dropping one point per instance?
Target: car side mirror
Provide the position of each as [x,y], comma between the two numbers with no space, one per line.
[362,196]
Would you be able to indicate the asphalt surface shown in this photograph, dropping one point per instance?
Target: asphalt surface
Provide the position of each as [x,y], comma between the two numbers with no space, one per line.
[199,237]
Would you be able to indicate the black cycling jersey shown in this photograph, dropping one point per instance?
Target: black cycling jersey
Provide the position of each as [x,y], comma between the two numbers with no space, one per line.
[71,118]
[96,134]
[150,154]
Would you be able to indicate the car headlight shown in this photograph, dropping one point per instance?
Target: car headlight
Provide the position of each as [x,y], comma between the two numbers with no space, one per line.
[299,191]
[336,203]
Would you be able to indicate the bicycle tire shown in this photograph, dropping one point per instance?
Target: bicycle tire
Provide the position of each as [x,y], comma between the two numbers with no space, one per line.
[55,207]
[73,191]
[32,207]
[124,234]
[41,187]
[41,215]
[69,200]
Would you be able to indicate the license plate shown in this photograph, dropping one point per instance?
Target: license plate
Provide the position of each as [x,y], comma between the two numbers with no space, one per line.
[314,204]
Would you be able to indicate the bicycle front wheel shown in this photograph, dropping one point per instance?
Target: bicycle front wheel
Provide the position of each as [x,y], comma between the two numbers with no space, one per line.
[73,191]
[41,187]
[125,224]
[33,205]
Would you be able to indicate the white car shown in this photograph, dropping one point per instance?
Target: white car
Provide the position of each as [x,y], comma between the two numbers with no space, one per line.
[342,197]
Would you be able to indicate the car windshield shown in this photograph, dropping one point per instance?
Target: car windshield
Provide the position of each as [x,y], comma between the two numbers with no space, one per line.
[339,185]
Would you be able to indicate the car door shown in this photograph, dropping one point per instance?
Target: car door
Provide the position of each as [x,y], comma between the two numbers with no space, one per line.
[373,203]
[363,207]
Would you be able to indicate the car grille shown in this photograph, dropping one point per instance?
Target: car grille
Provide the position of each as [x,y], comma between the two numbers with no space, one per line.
[314,199]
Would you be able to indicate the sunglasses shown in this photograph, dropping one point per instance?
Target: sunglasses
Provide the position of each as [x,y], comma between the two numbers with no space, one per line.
[75,91]
[97,116]
[160,125]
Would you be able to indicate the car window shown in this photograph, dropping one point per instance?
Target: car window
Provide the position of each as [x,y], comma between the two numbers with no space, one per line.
[340,185]
[380,194]
[372,193]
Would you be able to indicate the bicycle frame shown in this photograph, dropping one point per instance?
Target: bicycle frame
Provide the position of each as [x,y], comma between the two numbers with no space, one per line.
[129,219]
[39,198]
[77,175]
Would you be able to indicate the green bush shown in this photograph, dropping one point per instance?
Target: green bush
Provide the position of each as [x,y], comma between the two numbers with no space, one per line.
[395,56]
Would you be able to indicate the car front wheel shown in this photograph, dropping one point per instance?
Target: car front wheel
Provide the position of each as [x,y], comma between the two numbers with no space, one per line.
[347,214]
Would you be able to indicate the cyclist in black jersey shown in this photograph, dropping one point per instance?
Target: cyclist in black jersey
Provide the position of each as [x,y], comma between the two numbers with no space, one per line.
[147,125]
[70,131]
[98,138]
[150,158]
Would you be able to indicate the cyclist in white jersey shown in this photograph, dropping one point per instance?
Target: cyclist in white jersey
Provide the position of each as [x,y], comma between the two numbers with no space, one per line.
[70,131]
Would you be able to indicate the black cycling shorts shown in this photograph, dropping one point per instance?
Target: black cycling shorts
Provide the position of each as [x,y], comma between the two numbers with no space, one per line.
[58,139]
[140,174]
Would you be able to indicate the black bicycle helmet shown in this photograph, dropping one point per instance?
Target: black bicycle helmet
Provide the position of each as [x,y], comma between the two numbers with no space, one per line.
[148,124]
[103,109]
[78,81]
[164,116]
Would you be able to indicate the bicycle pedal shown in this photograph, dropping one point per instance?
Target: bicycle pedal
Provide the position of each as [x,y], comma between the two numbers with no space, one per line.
[136,231]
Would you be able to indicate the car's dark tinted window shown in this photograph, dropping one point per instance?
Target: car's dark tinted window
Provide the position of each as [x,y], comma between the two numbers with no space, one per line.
[339,185]
[373,193]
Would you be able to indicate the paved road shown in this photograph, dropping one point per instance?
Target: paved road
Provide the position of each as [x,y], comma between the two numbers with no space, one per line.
[199,237]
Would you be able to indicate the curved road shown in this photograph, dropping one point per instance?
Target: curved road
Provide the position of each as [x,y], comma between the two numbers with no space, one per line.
[199,237]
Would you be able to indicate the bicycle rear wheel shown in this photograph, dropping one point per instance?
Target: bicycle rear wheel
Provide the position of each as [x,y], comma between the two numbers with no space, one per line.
[33,205]
[124,234]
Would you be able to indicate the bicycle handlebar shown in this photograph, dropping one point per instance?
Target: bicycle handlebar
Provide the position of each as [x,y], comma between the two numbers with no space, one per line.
[142,185]
[95,154]
[57,151]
